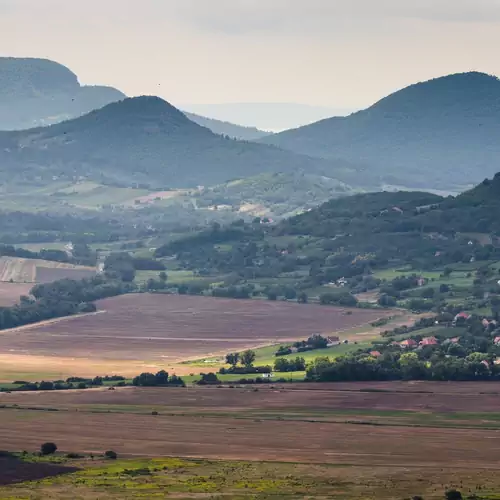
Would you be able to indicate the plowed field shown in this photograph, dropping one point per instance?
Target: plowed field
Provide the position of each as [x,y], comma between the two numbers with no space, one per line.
[169,328]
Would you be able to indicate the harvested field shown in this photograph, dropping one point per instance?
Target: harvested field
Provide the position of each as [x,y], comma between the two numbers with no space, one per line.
[169,328]
[383,445]
[287,424]
[10,292]
[36,270]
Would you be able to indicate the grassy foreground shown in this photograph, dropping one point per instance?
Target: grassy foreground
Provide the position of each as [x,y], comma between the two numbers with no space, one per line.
[191,479]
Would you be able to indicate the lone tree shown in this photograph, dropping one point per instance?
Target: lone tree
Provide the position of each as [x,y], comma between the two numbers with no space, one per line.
[232,358]
[48,448]
[112,455]
[247,358]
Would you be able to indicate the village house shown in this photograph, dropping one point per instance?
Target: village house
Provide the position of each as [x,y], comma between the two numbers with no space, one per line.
[332,341]
[463,316]
[408,344]
[375,354]
[429,341]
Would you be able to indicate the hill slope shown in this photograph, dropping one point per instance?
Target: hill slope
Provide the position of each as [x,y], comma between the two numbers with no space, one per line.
[226,128]
[38,92]
[146,141]
[441,133]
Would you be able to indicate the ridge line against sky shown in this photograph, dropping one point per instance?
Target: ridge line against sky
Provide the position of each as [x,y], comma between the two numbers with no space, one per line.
[332,53]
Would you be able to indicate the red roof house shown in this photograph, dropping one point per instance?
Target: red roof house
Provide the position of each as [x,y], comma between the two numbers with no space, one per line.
[408,344]
[430,341]
[375,354]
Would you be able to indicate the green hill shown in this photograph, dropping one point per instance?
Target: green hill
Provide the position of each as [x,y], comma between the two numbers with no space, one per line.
[438,134]
[354,237]
[274,194]
[144,141]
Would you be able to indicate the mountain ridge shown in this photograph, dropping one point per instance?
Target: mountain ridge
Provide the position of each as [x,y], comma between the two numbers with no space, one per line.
[144,140]
[435,133]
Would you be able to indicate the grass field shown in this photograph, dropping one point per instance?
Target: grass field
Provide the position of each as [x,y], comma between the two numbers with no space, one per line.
[388,440]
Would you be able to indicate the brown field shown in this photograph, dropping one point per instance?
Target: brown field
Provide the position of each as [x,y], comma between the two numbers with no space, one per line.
[48,275]
[159,330]
[415,436]
[10,292]
[35,270]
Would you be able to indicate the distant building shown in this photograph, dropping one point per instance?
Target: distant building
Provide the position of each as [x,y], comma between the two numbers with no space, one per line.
[375,354]
[332,341]
[408,344]
[429,341]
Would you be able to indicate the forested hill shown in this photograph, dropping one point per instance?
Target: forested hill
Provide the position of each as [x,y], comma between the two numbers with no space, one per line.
[147,141]
[352,236]
[476,210]
[441,133]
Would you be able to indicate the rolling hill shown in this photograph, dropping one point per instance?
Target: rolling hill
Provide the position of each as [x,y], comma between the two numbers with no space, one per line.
[144,141]
[38,92]
[440,133]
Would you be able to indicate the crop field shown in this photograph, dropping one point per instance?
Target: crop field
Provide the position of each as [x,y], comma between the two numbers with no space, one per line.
[158,330]
[387,440]
[13,269]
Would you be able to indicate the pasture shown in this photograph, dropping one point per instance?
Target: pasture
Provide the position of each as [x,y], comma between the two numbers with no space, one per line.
[139,332]
[387,440]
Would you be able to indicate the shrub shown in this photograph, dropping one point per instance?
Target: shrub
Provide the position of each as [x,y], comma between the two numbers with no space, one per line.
[48,448]
[453,495]
[112,455]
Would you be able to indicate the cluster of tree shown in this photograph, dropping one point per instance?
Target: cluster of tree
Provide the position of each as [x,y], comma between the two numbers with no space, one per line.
[246,360]
[290,365]
[162,378]
[315,341]
[68,384]
[61,298]
[81,254]
[463,352]
[45,227]
[123,266]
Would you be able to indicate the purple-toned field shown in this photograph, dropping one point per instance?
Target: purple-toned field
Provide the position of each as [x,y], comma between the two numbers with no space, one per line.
[173,328]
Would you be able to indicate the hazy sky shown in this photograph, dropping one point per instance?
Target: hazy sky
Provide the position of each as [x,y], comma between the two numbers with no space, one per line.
[342,53]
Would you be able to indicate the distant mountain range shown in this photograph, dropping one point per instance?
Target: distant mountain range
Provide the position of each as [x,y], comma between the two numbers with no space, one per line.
[144,141]
[272,116]
[39,92]
[442,133]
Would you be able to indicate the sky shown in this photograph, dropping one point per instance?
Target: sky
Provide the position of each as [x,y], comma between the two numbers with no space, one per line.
[335,53]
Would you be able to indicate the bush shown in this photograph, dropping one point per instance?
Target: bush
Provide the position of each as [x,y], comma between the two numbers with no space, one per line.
[48,449]
[453,495]
[112,455]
